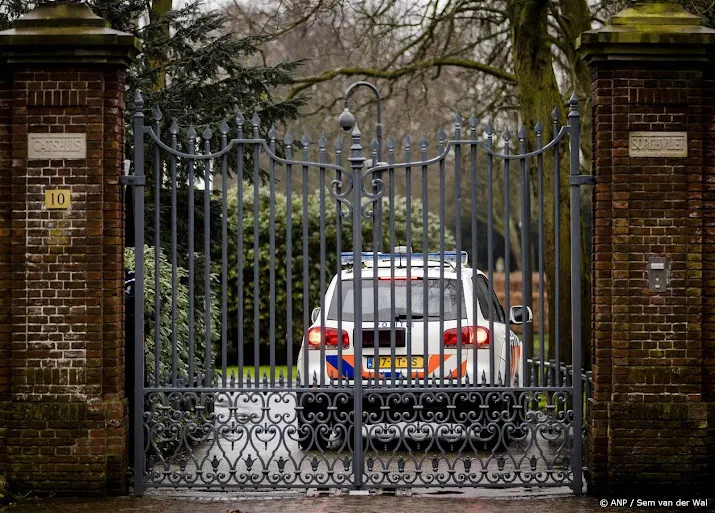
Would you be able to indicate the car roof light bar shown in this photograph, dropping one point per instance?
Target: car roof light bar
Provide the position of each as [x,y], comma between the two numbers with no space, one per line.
[449,257]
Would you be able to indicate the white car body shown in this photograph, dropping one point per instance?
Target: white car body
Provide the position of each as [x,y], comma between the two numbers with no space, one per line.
[444,364]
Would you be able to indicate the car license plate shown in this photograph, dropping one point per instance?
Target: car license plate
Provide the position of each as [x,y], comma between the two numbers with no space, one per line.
[400,362]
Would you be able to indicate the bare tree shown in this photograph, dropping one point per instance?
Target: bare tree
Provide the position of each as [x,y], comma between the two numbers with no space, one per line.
[500,57]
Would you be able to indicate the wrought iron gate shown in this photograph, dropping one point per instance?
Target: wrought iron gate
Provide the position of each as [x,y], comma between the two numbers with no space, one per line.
[409,374]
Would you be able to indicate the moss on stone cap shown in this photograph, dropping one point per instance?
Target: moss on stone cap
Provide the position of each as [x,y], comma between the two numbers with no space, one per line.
[66,33]
[649,31]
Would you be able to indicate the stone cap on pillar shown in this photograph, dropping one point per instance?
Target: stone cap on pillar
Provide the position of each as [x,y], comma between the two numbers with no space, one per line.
[66,33]
[649,31]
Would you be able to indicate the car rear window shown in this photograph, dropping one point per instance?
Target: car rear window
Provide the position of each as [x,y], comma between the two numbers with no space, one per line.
[436,296]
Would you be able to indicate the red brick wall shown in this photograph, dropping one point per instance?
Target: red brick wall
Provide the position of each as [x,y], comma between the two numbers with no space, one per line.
[708,356]
[66,411]
[5,251]
[647,419]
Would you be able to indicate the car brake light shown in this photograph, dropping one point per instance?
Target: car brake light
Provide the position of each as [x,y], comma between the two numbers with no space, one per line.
[470,336]
[331,338]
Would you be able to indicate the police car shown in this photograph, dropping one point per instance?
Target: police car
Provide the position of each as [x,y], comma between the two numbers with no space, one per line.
[416,319]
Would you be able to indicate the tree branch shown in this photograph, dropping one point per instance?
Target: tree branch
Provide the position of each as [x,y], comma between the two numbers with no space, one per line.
[306,82]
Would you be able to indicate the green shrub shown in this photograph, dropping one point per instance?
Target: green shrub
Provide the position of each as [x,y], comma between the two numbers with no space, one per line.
[182,314]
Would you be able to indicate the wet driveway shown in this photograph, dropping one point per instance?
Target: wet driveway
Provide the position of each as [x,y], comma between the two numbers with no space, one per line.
[523,503]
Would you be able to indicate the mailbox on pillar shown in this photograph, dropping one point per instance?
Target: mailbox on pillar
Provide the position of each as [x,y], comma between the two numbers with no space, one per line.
[657,274]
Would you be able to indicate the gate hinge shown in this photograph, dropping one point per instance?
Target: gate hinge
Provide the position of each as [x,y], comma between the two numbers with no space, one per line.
[582,180]
[134,180]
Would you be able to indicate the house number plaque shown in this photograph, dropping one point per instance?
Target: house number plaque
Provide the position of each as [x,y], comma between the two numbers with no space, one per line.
[58,199]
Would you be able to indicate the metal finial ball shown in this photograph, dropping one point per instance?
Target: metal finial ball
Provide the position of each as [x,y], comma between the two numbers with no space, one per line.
[346,120]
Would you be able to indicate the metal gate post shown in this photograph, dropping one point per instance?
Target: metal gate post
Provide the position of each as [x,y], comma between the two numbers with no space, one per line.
[576,385]
[356,162]
[138,421]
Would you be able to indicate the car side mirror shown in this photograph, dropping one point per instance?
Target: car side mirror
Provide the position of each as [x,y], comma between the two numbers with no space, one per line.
[315,314]
[516,315]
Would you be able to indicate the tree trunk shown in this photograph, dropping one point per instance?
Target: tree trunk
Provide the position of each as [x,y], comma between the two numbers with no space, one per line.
[156,56]
[538,95]
[577,19]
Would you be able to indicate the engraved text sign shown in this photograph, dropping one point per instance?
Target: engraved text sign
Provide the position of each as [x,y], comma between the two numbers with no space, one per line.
[658,144]
[56,146]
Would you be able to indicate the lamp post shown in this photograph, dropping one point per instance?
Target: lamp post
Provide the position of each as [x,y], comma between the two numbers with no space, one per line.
[346,120]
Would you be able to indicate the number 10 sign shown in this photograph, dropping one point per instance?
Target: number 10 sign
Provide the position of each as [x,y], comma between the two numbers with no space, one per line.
[57,198]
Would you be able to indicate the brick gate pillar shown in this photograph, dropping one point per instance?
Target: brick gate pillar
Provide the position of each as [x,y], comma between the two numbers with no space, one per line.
[651,422]
[63,414]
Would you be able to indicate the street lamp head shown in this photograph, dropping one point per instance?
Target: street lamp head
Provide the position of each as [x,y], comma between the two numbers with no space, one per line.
[346,120]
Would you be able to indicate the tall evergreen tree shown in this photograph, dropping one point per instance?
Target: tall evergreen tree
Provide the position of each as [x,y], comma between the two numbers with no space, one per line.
[190,66]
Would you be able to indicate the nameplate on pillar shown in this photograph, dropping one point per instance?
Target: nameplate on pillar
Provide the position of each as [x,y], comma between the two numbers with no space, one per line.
[658,144]
[56,146]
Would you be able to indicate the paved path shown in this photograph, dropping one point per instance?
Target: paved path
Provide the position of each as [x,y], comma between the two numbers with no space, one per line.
[342,504]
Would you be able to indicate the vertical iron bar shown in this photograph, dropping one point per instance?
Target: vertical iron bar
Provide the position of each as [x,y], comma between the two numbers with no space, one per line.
[207,259]
[490,248]
[239,235]
[458,230]
[356,162]
[528,290]
[255,121]
[174,275]
[288,140]
[577,385]
[272,259]
[377,240]
[321,144]
[507,260]
[408,242]
[540,177]
[557,249]
[224,254]
[191,136]
[425,266]
[441,136]
[339,248]
[391,178]
[306,291]
[525,220]
[474,186]
[138,431]
[157,249]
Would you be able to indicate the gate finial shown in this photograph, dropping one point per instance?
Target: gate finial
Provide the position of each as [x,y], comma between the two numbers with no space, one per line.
[521,134]
[288,138]
[573,103]
[240,120]
[138,104]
